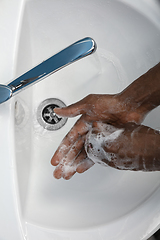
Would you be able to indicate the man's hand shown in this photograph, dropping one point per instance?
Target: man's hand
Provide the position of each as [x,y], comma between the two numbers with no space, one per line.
[71,156]
[104,108]
[129,106]
[133,147]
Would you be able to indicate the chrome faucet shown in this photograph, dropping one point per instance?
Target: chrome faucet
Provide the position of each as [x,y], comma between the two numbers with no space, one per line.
[74,52]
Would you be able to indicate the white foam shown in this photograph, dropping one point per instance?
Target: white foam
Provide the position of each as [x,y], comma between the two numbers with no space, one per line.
[94,143]
[67,169]
[107,135]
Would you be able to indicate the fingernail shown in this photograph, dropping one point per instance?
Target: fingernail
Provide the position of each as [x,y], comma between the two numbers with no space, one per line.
[54,162]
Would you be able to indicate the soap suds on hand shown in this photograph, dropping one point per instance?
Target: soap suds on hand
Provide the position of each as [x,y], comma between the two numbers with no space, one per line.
[95,141]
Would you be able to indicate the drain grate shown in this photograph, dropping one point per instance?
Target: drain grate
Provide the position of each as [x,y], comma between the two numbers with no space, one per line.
[46,116]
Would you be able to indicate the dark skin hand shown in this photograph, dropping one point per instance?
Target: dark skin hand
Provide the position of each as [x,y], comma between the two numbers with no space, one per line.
[128,148]
[126,111]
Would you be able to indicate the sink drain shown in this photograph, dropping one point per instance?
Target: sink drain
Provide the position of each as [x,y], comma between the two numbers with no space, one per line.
[46,116]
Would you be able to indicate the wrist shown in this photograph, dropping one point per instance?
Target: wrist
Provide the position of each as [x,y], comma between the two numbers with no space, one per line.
[129,110]
[143,95]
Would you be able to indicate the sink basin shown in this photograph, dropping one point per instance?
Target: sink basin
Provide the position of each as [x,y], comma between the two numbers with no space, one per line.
[102,203]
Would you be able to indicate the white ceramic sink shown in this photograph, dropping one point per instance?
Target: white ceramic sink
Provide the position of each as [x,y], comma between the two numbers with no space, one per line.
[102,203]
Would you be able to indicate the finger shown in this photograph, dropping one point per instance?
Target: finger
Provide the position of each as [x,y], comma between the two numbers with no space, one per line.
[69,172]
[72,169]
[84,165]
[73,110]
[65,169]
[74,151]
[79,129]
[58,172]
[81,156]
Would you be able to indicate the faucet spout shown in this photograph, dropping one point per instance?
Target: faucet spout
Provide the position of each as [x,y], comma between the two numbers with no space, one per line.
[72,53]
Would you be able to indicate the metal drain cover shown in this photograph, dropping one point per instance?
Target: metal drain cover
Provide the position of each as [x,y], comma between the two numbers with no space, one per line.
[46,116]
